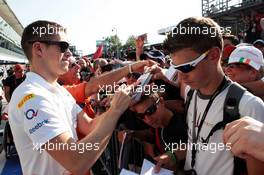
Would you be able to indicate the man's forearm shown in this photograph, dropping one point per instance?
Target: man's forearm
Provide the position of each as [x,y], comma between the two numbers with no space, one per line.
[94,85]
[96,141]
[100,134]
[254,166]
[97,83]
[139,51]
[7,95]
[80,162]
[256,87]
[85,124]
[256,149]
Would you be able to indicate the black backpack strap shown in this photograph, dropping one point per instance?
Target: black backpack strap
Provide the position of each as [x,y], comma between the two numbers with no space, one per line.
[231,105]
[216,127]
[231,113]
[231,108]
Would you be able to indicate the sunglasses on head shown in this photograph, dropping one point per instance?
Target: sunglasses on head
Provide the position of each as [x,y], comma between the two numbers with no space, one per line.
[149,111]
[64,46]
[189,66]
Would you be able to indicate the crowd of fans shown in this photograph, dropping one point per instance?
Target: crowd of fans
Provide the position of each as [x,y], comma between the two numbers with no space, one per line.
[161,117]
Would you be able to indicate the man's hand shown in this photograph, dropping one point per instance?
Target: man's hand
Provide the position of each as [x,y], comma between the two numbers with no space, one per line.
[121,99]
[166,161]
[139,42]
[140,65]
[246,138]
[157,72]
[139,46]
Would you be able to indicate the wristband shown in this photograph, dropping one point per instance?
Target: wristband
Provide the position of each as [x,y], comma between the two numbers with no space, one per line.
[172,155]
[130,68]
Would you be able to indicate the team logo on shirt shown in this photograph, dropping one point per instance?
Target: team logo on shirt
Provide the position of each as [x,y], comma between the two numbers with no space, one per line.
[38,125]
[24,100]
[31,113]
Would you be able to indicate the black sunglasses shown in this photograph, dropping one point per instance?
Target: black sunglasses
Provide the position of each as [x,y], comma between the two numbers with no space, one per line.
[149,111]
[64,46]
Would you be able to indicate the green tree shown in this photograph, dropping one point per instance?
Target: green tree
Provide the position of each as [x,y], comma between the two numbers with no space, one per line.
[113,44]
[130,43]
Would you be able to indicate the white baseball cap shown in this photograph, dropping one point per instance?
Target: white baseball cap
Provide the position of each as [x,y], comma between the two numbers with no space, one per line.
[247,55]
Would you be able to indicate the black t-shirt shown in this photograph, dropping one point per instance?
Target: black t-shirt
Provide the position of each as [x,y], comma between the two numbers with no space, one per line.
[13,83]
[174,134]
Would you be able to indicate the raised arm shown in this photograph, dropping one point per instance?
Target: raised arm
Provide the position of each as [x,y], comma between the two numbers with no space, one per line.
[93,86]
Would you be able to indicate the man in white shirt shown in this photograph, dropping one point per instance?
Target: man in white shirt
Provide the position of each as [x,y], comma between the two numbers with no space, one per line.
[44,117]
[196,55]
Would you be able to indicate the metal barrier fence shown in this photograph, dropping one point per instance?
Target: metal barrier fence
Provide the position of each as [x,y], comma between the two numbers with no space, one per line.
[109,163]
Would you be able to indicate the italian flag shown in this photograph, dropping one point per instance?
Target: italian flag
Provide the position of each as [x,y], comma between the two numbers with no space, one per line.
[244,60]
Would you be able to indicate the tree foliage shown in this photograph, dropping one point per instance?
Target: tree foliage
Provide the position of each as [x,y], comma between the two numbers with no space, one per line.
[130,43]
[113,43]
[114,46]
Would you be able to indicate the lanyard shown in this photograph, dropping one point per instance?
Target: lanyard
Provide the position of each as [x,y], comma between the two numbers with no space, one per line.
[220,88]
[157,138]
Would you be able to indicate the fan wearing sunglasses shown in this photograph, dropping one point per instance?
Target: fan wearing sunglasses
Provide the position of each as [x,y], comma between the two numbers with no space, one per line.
[197,58]
[168,127]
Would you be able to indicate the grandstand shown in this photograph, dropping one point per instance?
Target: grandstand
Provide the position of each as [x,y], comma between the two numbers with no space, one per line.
[233,13]
[242,16]
[10,36]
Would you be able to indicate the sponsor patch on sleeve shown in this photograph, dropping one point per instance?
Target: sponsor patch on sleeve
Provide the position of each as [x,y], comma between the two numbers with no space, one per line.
[24,100]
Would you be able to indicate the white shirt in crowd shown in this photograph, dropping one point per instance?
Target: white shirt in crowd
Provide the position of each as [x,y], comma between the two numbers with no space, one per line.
[215,159]
[39,112]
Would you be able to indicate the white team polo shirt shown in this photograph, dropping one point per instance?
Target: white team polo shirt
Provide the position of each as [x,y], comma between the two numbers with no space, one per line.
[38,112]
